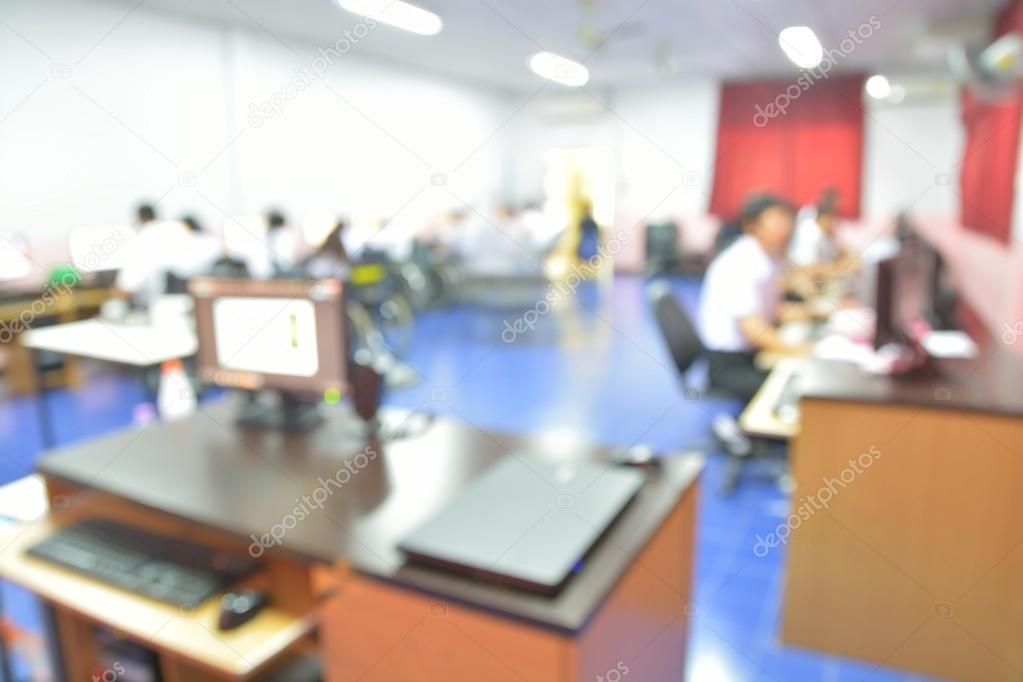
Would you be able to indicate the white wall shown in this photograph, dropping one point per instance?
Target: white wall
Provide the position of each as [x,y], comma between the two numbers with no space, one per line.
[663,139]
[911,157]
[160,109]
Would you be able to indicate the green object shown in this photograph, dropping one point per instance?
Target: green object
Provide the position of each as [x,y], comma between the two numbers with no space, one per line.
[65,275]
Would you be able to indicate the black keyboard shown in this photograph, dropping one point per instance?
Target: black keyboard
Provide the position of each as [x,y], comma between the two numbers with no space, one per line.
[787,407]
[167,569]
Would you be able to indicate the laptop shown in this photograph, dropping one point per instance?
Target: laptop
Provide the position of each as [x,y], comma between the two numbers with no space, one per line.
[526,521]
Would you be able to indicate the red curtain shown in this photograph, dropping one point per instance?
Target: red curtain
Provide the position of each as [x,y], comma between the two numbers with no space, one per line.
[988,174]
[793,137]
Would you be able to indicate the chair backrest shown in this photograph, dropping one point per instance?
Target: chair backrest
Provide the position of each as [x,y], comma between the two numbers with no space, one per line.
[679,332]
[663,250]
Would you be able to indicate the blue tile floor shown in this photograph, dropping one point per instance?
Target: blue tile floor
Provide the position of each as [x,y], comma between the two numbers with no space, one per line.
[593,368]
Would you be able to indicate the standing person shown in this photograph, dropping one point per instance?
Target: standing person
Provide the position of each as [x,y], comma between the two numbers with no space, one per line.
[589,233]
[742,296]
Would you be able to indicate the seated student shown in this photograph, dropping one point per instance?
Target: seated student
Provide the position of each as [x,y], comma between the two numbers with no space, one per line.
[203,249]
[330,260]
[814,247]
[742,298]
[153,255]
[282,242]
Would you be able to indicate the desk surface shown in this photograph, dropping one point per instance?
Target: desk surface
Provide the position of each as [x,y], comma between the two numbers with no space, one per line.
[203,470]
[759,418]
[140,345]
[989,383]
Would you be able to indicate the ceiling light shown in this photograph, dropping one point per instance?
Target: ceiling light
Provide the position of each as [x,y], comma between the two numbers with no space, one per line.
[396,13]
[559,69]
[878,87]
[801,46]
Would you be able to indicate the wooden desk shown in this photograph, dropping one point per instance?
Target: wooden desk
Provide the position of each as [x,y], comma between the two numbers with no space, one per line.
[914,561]
[758,418]
[66,306]
[381,618]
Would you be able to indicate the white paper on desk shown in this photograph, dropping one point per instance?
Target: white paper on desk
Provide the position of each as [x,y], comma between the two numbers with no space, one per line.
[841,349]
[852,322]
[949,344]
[23,500]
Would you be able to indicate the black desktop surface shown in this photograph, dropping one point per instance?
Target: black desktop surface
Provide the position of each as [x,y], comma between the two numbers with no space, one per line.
[989,383]
[203,470]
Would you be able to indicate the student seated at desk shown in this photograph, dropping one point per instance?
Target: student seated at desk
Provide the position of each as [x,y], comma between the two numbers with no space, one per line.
[330,260]
[282,242]
[742,298]
[814,249]
[813,243]
[144,274]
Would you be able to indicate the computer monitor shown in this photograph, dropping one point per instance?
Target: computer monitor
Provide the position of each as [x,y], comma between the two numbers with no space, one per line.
[885,326]
[288,336]
[904,297]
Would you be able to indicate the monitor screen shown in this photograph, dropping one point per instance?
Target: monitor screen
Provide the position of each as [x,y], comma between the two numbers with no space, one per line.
[915,301]
[904,299]
[283,334]
[886,327]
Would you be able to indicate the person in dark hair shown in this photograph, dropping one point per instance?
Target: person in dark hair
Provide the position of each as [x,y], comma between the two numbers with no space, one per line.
[331,259]
[741,300]
[145,213]
[192,225]
[282,243]
[589,234]
[275,220]
[814,246]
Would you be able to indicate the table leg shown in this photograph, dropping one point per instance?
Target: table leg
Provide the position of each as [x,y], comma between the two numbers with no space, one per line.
[47,434]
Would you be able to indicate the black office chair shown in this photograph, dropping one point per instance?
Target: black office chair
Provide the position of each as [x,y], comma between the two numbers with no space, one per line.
[685,348]
[678,331]
[663,251]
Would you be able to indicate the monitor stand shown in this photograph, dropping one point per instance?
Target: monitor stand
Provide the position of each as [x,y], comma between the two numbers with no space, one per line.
[287,413]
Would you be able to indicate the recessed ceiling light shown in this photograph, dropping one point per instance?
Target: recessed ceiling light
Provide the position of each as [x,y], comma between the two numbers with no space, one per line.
[559,69]
[878,87]
[800,45]
[396,13]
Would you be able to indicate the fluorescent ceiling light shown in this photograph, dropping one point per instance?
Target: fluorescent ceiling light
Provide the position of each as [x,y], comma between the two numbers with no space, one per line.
[801,46]
[559,69]
[397,13]
[878,87]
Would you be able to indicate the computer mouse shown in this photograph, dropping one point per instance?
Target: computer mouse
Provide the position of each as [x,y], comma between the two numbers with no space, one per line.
[238,608]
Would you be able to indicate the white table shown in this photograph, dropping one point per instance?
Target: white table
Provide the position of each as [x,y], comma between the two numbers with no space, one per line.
[136,343]
[139,344]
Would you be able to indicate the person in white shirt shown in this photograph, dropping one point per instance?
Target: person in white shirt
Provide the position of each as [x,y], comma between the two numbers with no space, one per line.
[742,296]
[203,250]
[814,245]
[282,242]
[156,252]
